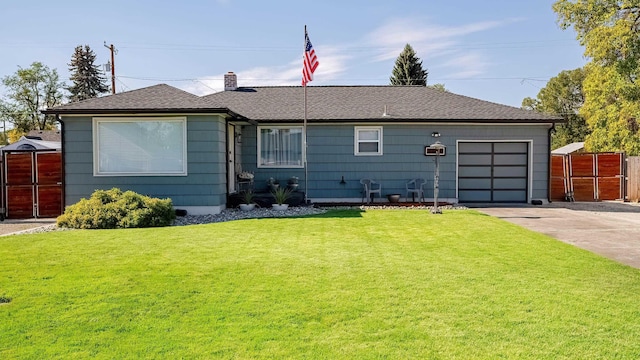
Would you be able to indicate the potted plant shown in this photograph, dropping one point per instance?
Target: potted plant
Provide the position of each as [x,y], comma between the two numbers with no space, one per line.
[280,195]
[292,183]
[247,201]
[273,184]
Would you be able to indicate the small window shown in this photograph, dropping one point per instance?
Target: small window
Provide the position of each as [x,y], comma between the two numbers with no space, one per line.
[140,146]
[368,140]
[280,147]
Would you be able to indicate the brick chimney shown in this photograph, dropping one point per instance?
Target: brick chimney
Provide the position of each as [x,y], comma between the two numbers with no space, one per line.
[230,81]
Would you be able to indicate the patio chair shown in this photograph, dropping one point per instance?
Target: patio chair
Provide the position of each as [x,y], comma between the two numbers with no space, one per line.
[415,188]
[370,188]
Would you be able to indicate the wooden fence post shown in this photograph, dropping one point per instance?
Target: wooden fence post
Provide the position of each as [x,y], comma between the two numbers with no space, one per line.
[633,178]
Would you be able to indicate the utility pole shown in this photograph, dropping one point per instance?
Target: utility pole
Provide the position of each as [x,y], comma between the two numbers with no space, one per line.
[113,66]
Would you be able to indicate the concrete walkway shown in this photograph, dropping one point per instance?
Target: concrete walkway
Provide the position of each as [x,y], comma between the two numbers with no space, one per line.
[611,229]
[15,226]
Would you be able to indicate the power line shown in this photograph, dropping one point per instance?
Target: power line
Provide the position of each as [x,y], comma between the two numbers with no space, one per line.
[259,48]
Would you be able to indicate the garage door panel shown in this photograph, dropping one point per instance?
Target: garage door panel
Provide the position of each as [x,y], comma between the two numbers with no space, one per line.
[469,171]
[474,147]
[510,148]
[510,183]
[510,159]
[510,196]
[510,171]
[475,195]
[474,159]
[474,183]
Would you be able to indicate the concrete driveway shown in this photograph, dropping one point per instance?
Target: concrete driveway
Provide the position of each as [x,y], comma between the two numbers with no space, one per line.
[611,229]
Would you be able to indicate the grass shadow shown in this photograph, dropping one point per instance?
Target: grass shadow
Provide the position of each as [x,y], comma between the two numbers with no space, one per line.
[330,214]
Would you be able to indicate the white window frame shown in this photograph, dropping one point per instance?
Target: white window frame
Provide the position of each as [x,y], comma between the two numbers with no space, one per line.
[357,140]
[259,147]
[96,145]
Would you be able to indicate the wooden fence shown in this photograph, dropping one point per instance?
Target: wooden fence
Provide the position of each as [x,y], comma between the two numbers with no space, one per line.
[633,178]
[588,176]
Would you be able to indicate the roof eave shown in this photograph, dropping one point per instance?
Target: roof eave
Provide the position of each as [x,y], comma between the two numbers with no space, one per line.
[413,120]
[141,111]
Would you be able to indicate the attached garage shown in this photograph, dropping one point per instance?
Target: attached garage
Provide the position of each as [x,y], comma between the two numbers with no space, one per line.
[495,171]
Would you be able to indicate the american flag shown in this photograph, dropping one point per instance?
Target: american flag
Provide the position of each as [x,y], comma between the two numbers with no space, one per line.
[310,62]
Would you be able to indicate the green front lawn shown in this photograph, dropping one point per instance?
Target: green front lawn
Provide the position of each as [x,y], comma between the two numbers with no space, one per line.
[396,284]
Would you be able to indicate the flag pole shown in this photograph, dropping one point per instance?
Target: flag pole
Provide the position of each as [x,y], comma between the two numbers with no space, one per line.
[304,130]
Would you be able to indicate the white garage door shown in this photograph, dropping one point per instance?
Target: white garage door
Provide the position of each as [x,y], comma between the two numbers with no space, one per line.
[493,171]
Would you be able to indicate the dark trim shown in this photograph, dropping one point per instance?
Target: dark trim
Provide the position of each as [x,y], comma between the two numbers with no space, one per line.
[141,111]
[64,176]
[551,129]
[411,120]
[227,159]
[233,115]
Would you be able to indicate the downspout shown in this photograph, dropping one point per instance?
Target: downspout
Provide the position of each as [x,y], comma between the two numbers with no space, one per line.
[226,153]
[551,130]
[63,185]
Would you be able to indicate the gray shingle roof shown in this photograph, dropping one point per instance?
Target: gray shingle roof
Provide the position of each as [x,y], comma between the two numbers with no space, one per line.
[46,135]
[324,103]
[344,103]
[157,98]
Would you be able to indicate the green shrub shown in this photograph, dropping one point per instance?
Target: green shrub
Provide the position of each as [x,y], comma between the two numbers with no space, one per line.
[113,209]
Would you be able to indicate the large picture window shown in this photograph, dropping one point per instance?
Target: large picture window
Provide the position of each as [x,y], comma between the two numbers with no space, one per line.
[368,140]
[280,146]
[140,146]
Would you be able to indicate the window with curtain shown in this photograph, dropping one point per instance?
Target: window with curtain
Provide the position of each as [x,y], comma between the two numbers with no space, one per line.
[368,140]
[280,146]
[140,146]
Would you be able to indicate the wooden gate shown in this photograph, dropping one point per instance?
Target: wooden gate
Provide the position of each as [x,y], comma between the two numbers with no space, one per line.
[588,176]
[32,184]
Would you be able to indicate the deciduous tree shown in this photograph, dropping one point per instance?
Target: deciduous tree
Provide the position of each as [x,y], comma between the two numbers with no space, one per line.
[610,32]
[563,96]
[29,91]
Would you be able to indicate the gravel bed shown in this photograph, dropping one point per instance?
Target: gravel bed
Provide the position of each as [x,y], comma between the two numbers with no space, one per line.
[237,214]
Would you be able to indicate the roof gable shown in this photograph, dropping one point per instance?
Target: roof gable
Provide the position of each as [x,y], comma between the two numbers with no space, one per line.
[155,98]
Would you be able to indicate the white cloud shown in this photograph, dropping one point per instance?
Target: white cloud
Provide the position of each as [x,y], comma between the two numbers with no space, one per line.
[332,65]
[465,66]
[442,48]
[432,42]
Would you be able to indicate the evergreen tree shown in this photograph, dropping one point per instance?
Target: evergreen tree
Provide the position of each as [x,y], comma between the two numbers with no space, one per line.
[88,80]
[408,69]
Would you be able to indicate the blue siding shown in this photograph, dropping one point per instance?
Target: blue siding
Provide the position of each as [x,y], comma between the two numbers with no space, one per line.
[205,184]
[331,157]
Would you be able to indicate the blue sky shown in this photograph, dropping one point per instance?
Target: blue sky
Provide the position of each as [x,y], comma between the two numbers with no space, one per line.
[499,50]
